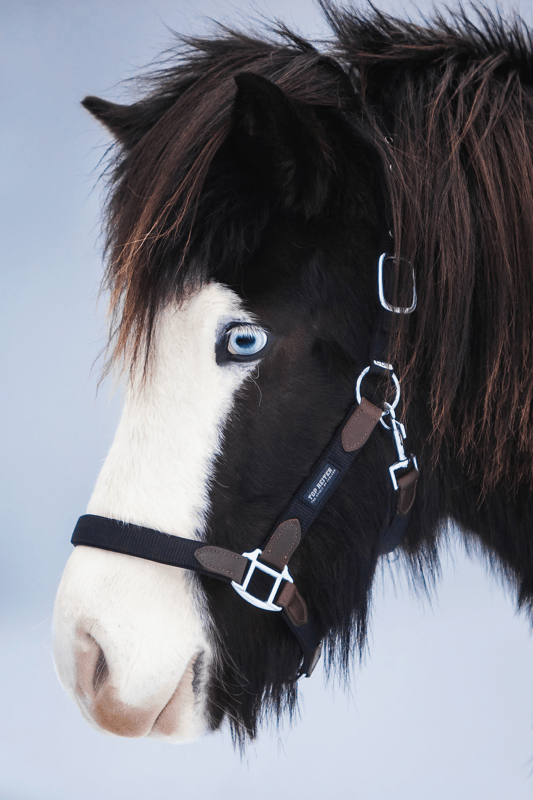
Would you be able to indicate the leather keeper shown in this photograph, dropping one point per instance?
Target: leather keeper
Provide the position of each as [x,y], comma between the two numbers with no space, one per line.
[282,544]
[407,491]
[222,562]
[360,425]
[293,604]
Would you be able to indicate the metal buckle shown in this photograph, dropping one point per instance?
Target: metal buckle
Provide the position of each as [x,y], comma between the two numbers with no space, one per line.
[395,309]
[394,380]
[241,588]
[399,435]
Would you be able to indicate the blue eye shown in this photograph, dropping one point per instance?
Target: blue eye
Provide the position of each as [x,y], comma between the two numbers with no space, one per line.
[246,340]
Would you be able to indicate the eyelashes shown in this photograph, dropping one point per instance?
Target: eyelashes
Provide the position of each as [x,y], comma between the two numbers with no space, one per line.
[246,340]
[242,342]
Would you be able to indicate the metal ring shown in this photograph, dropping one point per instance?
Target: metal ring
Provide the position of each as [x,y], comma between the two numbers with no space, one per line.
[394,380]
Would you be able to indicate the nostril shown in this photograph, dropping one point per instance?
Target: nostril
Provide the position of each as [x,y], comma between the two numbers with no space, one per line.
[91,666]
[101,670]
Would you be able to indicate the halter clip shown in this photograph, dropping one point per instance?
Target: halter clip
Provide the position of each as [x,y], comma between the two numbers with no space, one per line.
[399,436]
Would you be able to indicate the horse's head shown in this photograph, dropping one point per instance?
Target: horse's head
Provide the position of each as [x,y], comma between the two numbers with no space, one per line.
[243,242]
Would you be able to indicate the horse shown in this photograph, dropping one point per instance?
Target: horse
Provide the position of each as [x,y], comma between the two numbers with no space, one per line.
[288,226]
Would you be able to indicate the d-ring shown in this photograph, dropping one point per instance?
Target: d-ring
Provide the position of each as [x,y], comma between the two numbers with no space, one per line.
[394,380]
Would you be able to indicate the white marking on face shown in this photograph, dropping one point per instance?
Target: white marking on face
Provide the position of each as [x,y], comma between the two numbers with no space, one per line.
[149,619]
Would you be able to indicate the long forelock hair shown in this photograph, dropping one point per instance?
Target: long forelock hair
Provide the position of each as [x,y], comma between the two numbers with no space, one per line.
[158,179]
[451,105]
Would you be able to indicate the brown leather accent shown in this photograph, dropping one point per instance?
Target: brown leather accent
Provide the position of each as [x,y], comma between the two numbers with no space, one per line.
[222,562]
[293,603]
[282,544]
[360,425]
[407,492]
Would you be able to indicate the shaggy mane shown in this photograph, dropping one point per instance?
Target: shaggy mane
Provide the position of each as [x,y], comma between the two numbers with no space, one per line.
[457,101]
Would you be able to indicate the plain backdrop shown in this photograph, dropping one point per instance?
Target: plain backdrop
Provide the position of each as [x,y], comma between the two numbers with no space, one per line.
[442,705]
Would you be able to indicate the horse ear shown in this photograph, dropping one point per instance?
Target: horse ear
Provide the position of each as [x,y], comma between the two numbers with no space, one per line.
[280,140]
[116,118]
[128,124]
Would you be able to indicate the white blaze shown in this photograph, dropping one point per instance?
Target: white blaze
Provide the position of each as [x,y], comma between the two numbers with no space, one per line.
[145,616]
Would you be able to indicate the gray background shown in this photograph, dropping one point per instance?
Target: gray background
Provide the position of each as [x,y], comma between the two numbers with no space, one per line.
[441,707]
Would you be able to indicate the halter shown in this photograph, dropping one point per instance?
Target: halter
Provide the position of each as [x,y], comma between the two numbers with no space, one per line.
[241,569]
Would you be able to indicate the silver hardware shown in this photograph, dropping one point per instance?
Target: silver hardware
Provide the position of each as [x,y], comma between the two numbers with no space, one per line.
[399,436]
[266,605]
[383,364]
[395,309]
[394,379]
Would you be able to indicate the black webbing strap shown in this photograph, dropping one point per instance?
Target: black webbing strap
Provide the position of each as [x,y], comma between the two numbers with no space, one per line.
[306,505]
[331,469]
[326,476]
[310,642]
[379,345]
[135,540]
[392,536]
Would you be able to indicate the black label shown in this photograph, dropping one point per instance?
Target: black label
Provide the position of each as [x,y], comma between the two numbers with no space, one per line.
[321,485]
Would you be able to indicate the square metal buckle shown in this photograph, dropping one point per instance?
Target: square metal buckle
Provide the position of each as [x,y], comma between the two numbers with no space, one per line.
[241,588]
[382,299]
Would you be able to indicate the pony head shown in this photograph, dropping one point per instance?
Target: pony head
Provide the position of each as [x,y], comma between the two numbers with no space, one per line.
[242,234]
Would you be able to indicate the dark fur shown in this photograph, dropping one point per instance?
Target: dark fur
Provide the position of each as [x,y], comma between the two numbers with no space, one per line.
[254,162]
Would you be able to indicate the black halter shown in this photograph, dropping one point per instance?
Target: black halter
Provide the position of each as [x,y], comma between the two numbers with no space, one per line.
[241,569]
